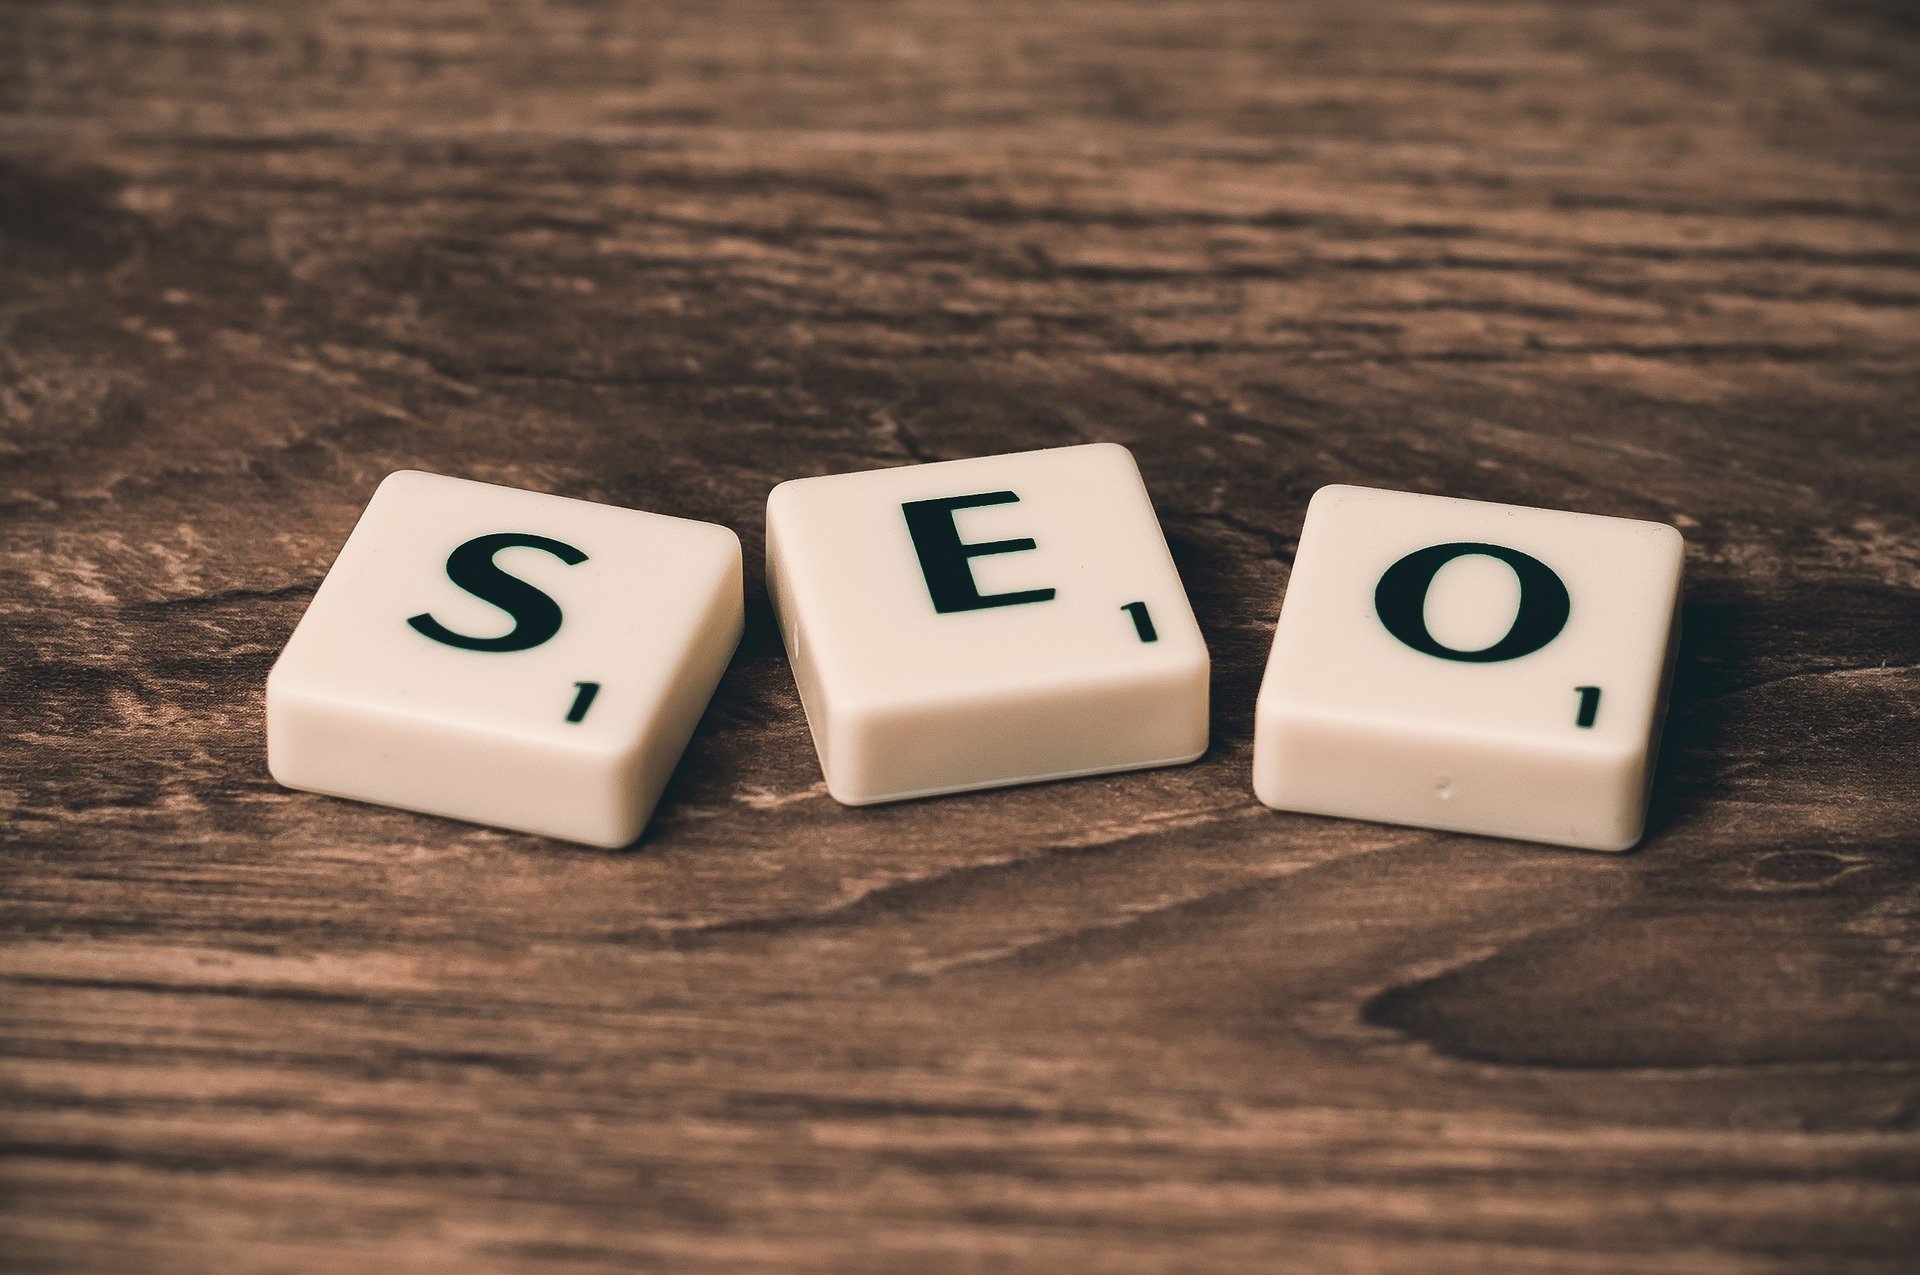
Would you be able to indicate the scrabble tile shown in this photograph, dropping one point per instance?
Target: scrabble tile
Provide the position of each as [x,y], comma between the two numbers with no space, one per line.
[1469,666]
[506,657]
[974,623]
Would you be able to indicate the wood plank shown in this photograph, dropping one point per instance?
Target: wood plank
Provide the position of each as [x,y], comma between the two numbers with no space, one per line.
[1617,257]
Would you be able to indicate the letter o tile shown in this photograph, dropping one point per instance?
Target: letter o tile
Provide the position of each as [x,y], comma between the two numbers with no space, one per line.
[1542,726]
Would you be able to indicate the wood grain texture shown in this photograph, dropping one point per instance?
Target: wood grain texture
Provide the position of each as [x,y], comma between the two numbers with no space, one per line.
[1630,258]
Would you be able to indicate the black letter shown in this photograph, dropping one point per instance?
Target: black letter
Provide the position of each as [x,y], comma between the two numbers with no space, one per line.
[943,558]
[1401,601]
[536,617]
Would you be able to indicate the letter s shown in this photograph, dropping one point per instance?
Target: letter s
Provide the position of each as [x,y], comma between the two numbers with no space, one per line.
[536,617]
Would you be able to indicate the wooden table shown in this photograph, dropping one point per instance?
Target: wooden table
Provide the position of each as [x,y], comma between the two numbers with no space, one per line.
[1634,258]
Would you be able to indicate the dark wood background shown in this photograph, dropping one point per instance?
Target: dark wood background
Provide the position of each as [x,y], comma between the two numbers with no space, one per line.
[1649,259]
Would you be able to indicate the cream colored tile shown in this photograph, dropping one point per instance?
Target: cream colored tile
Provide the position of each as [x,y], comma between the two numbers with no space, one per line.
[975,623]
[506,657]
[1470,666]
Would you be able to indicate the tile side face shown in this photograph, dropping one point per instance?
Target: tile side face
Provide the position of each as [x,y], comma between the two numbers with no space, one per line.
[1470,666]
[506,657]
[974,623]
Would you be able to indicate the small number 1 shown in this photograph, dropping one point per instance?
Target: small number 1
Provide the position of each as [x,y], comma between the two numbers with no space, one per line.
[582,700]
[1142,622]
[1589,705]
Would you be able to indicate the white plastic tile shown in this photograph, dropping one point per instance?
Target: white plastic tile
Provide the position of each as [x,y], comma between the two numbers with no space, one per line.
[506,657]
[1468,666]
[974,623]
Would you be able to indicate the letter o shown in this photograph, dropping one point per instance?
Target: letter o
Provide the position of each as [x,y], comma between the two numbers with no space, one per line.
[1400,600]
